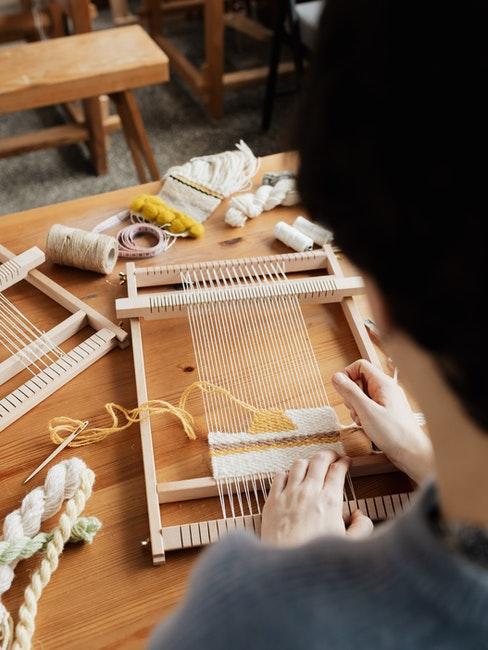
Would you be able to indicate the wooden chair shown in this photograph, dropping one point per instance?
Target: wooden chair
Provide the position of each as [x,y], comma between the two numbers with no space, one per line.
[22,25]
[209,81]
[83,67]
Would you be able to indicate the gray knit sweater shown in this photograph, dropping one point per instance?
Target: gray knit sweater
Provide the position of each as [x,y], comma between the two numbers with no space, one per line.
[401,588]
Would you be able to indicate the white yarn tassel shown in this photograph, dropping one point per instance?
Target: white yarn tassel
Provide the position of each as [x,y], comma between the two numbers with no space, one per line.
[251,205]
[61,483]
[292,237]
[321,236]
[225,173]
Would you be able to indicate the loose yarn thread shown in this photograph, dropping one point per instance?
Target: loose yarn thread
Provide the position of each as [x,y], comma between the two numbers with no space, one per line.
[292,237]
[251,205]
[70,480]
[263,420]
[81,249]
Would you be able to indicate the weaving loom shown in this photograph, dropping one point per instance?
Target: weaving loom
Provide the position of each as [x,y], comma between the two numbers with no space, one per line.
[264,398]
[37,352]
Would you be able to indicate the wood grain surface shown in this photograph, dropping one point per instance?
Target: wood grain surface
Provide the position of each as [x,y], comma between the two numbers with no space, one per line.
[108,595]
[74,67]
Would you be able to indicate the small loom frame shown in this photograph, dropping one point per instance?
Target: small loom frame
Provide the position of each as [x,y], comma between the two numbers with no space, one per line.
[334,287]
[13,269]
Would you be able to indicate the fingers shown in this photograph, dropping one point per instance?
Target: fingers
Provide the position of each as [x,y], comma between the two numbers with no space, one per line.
[364,369]
[319,466]
[334,481]
[352,394]
[360,526]
[278,485]
[297,473]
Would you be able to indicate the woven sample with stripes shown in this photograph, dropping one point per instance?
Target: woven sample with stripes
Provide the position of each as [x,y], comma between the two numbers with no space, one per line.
[247,454]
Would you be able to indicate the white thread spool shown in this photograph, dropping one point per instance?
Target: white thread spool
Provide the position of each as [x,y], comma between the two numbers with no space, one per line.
[292,237]
[83,250]
[321,236]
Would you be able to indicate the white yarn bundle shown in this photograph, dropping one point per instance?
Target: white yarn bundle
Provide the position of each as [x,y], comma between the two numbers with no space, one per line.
[62,482]
[292,237]
[251,205]
[91,251]
[321,236]
[197,187]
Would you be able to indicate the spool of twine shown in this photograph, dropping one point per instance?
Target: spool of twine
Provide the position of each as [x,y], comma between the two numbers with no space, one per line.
[83,250]
[292,237]
[321,236]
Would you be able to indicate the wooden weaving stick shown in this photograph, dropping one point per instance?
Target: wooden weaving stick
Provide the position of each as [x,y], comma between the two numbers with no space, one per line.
[39,346]
[334,287]
[202,533]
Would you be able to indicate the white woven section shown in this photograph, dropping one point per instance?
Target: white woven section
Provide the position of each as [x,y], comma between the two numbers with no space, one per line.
[187,199]
[262,462]
[309,422]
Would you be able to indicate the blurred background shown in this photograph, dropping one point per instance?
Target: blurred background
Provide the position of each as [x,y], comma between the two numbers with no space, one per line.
[241,100]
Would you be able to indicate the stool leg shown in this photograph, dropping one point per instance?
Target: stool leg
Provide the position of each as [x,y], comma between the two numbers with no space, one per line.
[135,134]
[154,16]
[97,143]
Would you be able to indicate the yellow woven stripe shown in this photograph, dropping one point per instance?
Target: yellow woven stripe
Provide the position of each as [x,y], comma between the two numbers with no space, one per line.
[278,444]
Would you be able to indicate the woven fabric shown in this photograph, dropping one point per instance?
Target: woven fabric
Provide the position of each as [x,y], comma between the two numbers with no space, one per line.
[190,198]
[244,454]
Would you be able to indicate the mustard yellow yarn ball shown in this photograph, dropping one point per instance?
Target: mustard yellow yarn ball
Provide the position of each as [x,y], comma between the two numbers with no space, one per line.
[197,230]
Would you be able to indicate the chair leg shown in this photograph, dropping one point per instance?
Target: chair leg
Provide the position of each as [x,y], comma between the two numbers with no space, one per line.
[135,134]
[276,45]
[154,16]
[97,143]
[214,57]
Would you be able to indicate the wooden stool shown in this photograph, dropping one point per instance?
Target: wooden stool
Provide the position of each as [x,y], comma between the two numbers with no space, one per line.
[210,80]
[83,66]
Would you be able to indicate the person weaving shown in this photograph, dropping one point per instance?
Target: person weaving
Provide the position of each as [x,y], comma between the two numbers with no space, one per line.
[392,138]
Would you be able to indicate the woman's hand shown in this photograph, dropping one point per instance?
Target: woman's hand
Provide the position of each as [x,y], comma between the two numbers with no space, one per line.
[380,406]
[307,503]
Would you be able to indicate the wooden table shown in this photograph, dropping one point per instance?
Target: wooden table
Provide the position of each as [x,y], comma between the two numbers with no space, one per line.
[109,595]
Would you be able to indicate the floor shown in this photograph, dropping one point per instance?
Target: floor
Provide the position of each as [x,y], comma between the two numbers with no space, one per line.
[177,126]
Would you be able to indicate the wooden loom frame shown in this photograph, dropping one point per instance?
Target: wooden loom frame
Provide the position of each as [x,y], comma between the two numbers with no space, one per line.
[106,336]
[334,287]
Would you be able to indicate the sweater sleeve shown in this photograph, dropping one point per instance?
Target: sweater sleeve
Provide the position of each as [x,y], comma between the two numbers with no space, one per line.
[219,602]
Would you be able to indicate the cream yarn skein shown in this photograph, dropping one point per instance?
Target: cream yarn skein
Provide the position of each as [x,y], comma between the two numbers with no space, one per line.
[249,206]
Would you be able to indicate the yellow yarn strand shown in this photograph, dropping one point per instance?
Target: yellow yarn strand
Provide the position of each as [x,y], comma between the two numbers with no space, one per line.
[264,420]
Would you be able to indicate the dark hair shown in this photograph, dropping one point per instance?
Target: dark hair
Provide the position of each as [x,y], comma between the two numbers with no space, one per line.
[393,147]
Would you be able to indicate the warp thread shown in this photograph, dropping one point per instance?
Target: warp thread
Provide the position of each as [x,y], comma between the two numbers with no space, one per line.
[197,187]
[268,196]
[320,236]
[70,480]
[81,249]
[292,237]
